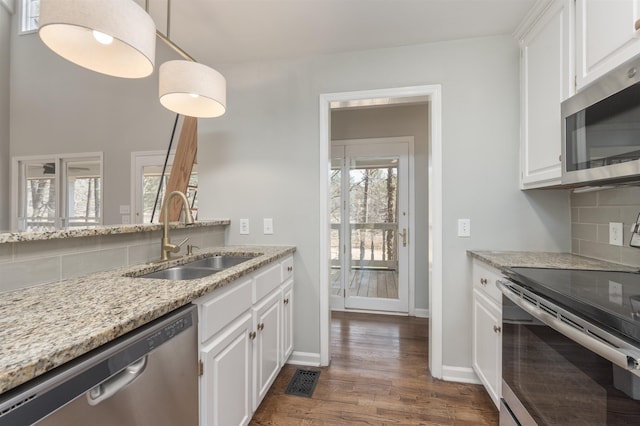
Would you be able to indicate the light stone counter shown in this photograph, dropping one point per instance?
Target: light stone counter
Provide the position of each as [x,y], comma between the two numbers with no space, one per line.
[43,327]
[501,259]
[93,231]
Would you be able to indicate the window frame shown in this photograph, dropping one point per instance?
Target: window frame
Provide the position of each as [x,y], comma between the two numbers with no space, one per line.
[18,191]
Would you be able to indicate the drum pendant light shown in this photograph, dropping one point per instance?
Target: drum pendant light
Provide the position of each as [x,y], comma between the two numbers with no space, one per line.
[192,89]
[113,37]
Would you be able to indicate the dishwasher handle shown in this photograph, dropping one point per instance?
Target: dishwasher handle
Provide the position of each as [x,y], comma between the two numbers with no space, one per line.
[118,381]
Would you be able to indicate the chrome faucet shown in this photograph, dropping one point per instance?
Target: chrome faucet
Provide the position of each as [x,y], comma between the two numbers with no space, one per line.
[166,246]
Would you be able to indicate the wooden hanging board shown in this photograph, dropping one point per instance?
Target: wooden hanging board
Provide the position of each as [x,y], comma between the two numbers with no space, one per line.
[182,166]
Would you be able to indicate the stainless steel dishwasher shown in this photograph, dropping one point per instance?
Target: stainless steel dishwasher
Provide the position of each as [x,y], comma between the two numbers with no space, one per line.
[146,377]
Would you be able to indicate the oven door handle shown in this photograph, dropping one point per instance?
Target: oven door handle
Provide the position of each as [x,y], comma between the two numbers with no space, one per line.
[627,358]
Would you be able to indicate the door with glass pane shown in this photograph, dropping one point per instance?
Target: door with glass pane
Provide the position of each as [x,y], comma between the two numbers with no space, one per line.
[369,221]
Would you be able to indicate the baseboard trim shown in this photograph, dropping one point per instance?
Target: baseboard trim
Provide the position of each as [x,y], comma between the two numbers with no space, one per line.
[304,358]
[421,313]
[460,374]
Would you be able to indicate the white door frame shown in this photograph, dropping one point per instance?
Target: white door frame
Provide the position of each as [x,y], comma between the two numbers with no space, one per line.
[139,159]
[433,93]
[407,141]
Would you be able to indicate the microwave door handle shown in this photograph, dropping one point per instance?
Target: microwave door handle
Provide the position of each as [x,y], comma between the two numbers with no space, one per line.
[626,358]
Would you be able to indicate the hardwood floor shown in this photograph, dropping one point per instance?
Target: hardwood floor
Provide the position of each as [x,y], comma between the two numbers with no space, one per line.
[378,376]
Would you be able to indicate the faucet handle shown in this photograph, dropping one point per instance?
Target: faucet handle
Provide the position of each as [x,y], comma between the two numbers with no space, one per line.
[176,247]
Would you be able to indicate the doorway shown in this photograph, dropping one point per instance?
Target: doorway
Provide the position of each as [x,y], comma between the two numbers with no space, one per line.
[432,95]
[370,218]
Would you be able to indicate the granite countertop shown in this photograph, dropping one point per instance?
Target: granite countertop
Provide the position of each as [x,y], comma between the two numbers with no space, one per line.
[502,259]
[45,326]
[91,231]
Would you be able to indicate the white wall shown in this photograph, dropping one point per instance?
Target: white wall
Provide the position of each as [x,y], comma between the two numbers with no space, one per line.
[261,160]
[5,59]
[406,120]
[59,107]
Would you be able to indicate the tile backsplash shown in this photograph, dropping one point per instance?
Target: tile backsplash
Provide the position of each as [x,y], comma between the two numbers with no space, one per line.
[25,264]
[591,213]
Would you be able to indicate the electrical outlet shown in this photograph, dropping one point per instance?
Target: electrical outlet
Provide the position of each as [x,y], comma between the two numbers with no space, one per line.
[615,233]
[244,226]
[464,227]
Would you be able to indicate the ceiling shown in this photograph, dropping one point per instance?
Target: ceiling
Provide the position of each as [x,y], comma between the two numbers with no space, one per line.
[231,31]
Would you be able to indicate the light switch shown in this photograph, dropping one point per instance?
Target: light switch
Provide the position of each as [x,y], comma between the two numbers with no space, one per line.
[268,226]
[244,226]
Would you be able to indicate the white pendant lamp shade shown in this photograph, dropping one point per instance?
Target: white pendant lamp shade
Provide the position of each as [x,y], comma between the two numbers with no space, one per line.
[113,37]
[192,89]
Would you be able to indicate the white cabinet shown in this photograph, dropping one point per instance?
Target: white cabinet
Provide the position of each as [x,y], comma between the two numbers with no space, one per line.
[605,36]
[267,345]
[226,390]
[546,79]
[487,329]
[287,320]
[245,334]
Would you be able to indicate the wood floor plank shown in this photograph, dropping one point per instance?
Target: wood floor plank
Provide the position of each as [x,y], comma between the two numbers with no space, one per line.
[378,376]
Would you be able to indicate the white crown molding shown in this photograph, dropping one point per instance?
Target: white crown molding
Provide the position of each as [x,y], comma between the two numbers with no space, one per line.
[531,17]
[9,5]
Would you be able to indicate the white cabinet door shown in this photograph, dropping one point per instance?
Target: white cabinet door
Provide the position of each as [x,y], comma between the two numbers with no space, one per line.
[546,80]
[266,317]
[487,344]
[287,320]
[226,383]
[605,36]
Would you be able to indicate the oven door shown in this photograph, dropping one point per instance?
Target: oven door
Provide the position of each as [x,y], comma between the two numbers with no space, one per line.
[549,379]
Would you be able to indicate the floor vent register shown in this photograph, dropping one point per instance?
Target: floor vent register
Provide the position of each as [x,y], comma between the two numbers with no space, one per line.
[303,383]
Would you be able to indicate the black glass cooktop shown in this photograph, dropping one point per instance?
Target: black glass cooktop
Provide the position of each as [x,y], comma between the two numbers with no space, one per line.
[609,298]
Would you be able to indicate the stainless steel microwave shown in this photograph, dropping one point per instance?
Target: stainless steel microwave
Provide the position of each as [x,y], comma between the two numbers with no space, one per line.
[601,129]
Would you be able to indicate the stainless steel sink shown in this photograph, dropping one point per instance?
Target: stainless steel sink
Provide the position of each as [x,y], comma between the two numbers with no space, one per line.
[219,262]
[181,273]
[198,269]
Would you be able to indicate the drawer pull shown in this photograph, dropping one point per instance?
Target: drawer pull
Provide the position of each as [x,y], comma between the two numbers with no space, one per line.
[289,268]
[483,281]
[286,301]
[497,329]
[252,335]
[261,326]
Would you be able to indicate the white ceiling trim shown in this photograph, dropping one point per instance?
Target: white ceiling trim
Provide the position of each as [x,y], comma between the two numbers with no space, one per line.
[9,5]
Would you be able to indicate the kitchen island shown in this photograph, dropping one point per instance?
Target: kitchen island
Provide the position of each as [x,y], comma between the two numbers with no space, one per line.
[46,326]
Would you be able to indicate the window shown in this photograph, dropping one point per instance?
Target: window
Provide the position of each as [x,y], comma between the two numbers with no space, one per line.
[29,15]
[147,172]
[57,191]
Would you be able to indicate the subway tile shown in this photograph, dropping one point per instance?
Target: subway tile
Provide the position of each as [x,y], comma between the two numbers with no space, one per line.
[45,248]
[625,196]
[629,214]
[603,233]
[143,253]
[584,231]
[575,215]
[600,251]
[77,264]
[6,252]
[16,275]
[575,246]
[599,215]
[630,256]
[584,199]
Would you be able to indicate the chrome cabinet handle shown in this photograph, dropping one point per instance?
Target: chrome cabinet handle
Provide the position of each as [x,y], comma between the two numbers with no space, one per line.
[252,335]
[261,326]
[286,301]
[483,281]
[497,329]
[289,268]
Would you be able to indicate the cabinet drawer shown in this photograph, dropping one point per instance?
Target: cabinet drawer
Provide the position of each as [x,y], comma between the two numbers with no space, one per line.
[287,268]
[266,281]
[224,308]
[484,279]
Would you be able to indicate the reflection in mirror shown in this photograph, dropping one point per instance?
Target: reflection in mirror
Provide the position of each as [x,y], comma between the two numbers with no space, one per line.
[58,191]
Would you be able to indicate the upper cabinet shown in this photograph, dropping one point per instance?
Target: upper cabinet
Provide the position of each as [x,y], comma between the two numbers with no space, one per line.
[547,75]
[605,36]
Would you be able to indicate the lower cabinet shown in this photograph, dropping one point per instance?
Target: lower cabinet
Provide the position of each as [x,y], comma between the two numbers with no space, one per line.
[245,338]
[487,330]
